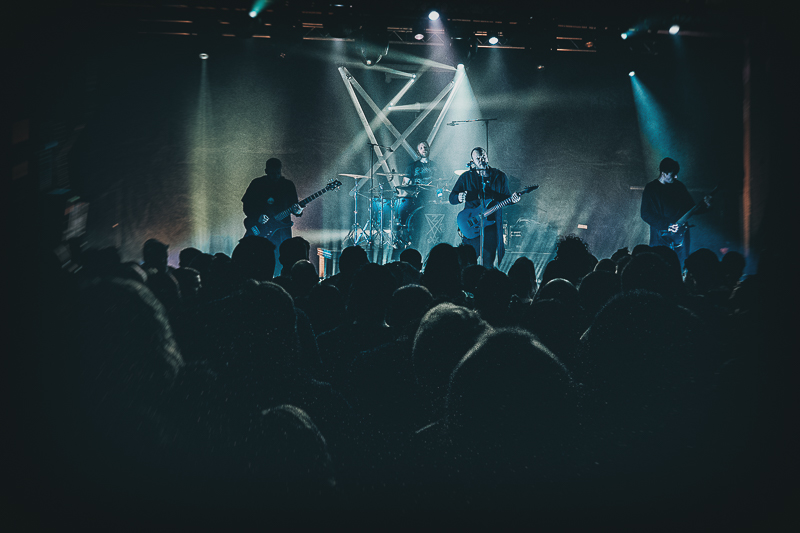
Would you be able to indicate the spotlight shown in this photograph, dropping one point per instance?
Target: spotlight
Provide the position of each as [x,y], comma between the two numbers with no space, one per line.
[253,14]
[493,39]
[674,29]
[624,36]
[433,15]
[460,66]
[631,74]
[374,46]
[203,56]
[419,36]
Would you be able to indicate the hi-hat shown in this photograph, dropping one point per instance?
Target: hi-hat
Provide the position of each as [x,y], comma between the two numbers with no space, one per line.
[356,176]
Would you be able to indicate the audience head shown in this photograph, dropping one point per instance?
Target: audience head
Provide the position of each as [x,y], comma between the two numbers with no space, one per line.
[351,259]
[492,297]
[186,256]
[155,255]
[596,289]
[407,307]
[304,276]
[254,258]
[509,396]
[571,247]
[404,273]
[297,463]
[257,327]
[412,257]
[442,273]
[647,271]
[467,255]
[130,358]
[703,271]
[470,276]
[606,265]
[291,251]
[325,307]
[523,278]
[732,266]
[445,334]
[638,344]
[619,254]
[561,290]
[369,294]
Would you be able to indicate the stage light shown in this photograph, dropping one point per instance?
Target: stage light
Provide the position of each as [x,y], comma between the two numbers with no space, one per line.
[674,29]
[631,74]
[460,66]
[374,45]
[433,15]
[203,56]
[624,35]
[493,39]
[419,36]
[253,14]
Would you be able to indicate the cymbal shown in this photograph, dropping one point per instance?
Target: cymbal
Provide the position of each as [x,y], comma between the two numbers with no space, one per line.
[356,176]
[397,174]
[458,172]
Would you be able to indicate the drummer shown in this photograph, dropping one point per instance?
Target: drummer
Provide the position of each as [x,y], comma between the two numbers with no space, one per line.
[422,171]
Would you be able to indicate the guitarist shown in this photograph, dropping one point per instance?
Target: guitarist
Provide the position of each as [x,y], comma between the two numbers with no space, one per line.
[469,190]
[664,201]
[268,195]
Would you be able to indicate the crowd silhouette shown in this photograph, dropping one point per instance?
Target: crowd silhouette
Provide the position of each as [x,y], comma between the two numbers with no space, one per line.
[623,392]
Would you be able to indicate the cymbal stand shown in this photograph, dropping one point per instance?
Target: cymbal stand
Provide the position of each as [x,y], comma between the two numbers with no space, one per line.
[357,233]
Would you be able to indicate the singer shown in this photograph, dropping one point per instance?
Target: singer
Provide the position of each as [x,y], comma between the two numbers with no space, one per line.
[479,188]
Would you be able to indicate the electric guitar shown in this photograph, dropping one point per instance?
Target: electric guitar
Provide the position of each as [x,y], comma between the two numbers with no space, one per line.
[675,239]
[469,219]
[267,225]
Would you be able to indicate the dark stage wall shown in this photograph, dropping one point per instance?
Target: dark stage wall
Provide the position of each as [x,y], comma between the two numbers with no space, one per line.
[168,142]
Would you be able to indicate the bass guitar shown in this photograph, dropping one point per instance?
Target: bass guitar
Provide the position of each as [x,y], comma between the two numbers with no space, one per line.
[469,219]
[269,224]
[675,239]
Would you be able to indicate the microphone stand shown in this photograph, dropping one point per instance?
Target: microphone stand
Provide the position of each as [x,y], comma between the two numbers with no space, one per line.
[483,215]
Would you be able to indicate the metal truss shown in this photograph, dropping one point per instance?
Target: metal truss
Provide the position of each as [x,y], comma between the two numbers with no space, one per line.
[353,86]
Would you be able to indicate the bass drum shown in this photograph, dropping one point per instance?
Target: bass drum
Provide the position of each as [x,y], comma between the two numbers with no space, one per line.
[433,224]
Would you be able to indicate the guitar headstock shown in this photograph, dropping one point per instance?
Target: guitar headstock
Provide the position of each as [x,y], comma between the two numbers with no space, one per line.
[333,185]
[528,189]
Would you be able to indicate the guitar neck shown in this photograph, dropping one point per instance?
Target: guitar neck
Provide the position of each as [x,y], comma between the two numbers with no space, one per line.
[685,218]
[302,203]
[681,221]
[508,200]
[498,206]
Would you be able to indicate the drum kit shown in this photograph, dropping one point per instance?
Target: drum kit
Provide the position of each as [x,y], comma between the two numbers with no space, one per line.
[391,208]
